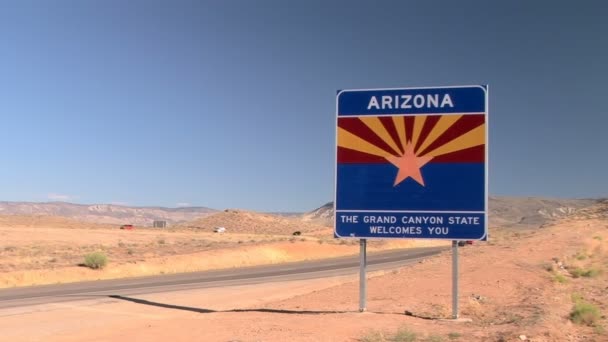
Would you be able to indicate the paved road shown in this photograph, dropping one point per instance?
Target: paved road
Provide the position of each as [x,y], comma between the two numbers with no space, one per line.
[34,295]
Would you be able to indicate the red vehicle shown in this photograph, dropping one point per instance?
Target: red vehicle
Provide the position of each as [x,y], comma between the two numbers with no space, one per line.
[464,243]
[127,227]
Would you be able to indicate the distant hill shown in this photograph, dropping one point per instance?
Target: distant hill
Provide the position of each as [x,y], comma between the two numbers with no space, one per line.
[596,211]
[322,215]
[504,211]
[105,213]
[532,211]
[249,222]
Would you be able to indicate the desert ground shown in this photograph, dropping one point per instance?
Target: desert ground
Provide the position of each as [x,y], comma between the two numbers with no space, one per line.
[540,284]
[39,250]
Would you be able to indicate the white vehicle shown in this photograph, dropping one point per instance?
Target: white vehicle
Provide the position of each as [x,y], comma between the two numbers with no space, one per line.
[219,229]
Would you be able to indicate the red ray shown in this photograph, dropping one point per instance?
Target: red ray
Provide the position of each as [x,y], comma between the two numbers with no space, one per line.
[460,127]
[358,128]
[348,156]
[429,124]
[389,124]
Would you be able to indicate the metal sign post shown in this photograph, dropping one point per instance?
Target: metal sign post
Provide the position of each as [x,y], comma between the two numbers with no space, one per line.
[362,276]
[455,279]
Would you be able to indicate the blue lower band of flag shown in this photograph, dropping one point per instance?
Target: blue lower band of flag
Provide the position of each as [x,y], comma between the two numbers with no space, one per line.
[447,187]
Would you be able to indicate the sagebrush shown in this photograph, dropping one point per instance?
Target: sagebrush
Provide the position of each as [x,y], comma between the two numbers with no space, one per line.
[585,313]
[95,260]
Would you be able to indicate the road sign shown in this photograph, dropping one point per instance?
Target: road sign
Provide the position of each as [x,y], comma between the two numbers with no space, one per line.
[412,163]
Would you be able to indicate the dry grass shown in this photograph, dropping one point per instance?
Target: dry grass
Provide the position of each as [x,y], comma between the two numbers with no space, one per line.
[42,253]
[404,335]
[96,260]
[585,313]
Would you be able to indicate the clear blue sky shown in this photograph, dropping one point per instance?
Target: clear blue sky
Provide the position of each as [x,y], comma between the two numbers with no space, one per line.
[232,103]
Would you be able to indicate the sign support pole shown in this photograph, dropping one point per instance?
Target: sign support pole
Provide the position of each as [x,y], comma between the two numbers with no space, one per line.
[362,276]
[455,279]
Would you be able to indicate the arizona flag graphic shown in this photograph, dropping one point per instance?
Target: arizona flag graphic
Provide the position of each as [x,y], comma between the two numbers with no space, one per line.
[411,163]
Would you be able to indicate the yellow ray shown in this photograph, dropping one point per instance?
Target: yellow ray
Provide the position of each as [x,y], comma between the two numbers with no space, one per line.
[445,122]
[400,127]
[474,137]
[375,125]
[348,140]
[418,124]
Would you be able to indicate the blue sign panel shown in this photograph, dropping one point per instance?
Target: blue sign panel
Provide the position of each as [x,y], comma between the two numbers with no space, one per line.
[412,163]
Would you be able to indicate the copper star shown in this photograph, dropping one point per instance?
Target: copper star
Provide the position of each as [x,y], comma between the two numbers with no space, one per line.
[409,165]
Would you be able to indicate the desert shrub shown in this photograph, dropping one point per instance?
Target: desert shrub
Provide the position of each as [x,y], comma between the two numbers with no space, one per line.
[373,336]
[454,335]
[584,313]
[404,335]
[560,278]
[580,256]
[575,272]
[592,273]
[434,338]
[130,251]
[597,237]
[578,272]
[549,267]
[161,241]
[95,260]
[576,297]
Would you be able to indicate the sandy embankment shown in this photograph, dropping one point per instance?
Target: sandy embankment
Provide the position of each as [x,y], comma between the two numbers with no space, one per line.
[263,254]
